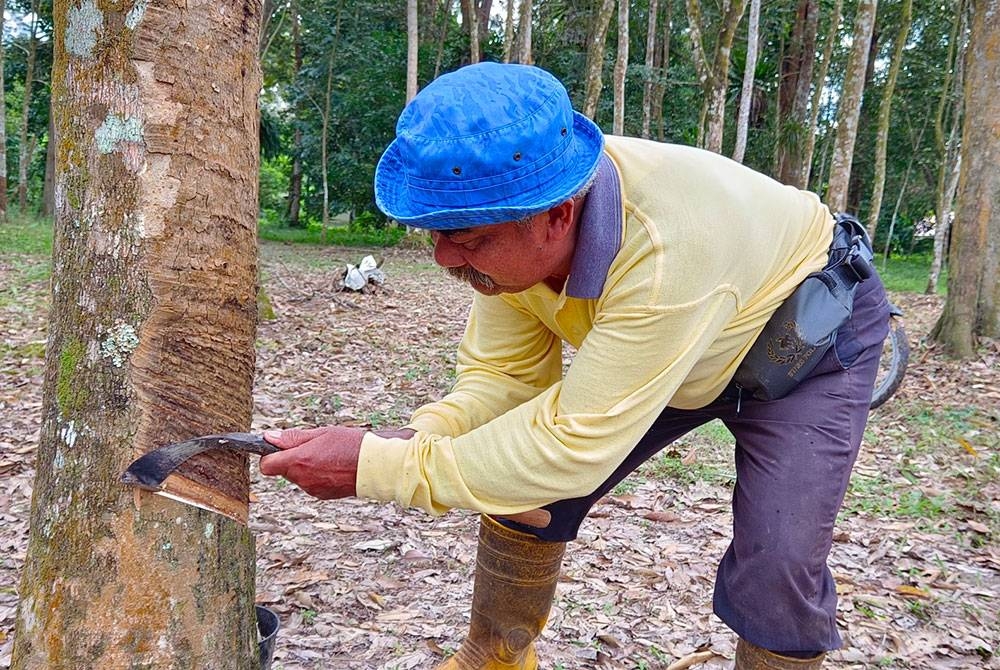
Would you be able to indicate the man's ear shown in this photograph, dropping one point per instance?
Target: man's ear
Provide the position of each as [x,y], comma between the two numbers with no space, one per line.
[561,219]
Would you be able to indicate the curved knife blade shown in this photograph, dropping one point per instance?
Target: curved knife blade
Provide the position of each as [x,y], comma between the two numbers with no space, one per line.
[150,470]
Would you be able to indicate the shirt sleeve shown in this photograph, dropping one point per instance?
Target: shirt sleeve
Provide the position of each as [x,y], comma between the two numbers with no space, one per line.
[566,440]
[506,357]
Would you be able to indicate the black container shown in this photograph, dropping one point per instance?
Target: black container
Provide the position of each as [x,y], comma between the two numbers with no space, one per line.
[267,628]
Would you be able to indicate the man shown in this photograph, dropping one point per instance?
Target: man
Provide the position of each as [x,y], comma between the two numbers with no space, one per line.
[661,264]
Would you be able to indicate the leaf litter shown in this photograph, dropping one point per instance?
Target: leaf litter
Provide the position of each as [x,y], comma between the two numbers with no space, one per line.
[359,584]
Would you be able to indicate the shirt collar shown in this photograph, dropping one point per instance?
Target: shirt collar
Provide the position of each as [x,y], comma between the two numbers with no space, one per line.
[599,236]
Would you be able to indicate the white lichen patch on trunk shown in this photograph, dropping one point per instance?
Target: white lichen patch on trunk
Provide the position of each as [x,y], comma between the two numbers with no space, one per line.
[134,15]
[68,434]
[124,135]
[83,24]
[119,344]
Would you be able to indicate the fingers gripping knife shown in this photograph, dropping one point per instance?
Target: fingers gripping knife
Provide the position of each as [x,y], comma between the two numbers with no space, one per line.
[151,470]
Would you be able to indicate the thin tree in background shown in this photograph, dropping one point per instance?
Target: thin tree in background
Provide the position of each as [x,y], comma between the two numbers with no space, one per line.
[524,34]
[596,38]
[26,145]
[746,94]
[662,65]
[445,15]
[714,75]
[621,69]
[508,31]
[793,93]
[819,86]
[295,179]
[850,106]
[884,111]
[470,23]
[972,308]
[412,48]
[949,162]
[156,223]
[649,76]
[3,127]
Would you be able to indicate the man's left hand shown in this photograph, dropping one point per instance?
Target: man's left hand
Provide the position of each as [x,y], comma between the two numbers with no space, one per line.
[323,462]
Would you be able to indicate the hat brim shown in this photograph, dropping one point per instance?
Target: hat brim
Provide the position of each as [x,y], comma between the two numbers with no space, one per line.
[392,195]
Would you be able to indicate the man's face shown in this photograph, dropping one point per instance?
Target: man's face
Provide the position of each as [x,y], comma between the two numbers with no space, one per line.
[497,258]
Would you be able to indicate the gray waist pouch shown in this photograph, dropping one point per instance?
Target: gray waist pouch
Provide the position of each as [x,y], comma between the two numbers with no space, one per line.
[805,326]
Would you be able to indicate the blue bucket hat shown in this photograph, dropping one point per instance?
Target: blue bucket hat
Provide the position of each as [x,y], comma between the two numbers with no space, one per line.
[487,143]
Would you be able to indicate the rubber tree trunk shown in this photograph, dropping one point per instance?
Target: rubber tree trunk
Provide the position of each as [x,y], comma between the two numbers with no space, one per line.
[412,48]
[793,93]
[817,94]
[150,340]
[884,110]
[597,35]
[850,106]
[295,180]
[972,307]
[746,95]
[621,69]
[3,129]
[26,144]
[648,77]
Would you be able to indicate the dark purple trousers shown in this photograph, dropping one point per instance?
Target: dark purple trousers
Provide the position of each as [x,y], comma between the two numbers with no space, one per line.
[793,462]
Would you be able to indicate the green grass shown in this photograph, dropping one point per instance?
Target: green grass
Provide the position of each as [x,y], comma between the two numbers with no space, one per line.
[26,234]
[908,274]
[337,236]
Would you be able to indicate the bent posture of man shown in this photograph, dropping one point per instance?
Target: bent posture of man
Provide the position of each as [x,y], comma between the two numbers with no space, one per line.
[662,265]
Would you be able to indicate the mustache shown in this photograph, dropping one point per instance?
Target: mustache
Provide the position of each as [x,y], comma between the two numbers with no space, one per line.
[472,276]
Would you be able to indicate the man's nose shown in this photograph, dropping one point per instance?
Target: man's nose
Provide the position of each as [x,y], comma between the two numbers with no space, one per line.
[446,253]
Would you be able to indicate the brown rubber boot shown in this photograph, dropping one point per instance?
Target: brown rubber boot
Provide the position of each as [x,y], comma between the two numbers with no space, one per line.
[516,577]
[751,657]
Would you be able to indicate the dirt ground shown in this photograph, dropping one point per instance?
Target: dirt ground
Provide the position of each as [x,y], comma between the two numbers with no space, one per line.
[363,585]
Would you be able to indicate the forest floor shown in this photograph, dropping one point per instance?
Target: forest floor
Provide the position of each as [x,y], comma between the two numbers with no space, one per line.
[362,585]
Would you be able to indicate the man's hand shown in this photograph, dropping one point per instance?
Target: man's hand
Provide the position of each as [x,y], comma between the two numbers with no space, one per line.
[323,462]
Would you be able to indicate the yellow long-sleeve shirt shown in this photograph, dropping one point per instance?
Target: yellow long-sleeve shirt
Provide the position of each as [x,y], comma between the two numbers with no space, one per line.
[708,250]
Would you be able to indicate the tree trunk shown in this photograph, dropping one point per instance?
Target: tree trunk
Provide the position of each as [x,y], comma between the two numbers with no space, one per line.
[746,95]
[295,180]
[412,49]
[663,66]
[442,36]
[817,96]
[25,146]
[971,308]
[470,23]
[3,129]
[595,58]
[850,106]
[793,93]
[151,340]
[884,109]
[48,185]
[714,76]
[621,69]
[508,31]
[648,78]
[947,151]
[524,34]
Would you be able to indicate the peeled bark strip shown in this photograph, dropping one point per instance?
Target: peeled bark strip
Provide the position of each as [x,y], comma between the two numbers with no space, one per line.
[150,339]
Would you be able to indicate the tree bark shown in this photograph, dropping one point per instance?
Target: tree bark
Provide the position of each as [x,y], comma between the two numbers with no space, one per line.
[850,106]
[151,340]
[621,69]
[3,128]
[470,23]
[947,150]
[884,110]
[746,95]
[412,49]
[48,184]
[295,179]
[649,77]
[714,77]
[663,66]
[819,85]
[523,49]
[595,57]
[442,35]
[508,31]
[26,145]
[793,93]
[971,308]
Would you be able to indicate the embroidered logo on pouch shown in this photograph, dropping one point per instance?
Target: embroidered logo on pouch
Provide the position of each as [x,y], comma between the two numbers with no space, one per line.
[787,346]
